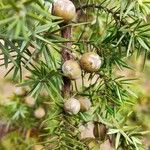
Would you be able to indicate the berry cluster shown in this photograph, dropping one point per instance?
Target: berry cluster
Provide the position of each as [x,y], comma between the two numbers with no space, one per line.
[89,62]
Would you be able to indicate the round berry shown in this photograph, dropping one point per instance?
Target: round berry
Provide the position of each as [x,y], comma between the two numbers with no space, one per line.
[84,102]
[30,101]
[39,113]
[72,106]
[90,62]
[71,69]
[64,9]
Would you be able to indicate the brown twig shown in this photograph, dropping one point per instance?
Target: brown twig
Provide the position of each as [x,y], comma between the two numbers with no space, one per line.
[66,55]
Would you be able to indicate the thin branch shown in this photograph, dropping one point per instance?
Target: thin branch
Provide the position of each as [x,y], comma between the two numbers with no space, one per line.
[114,14]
